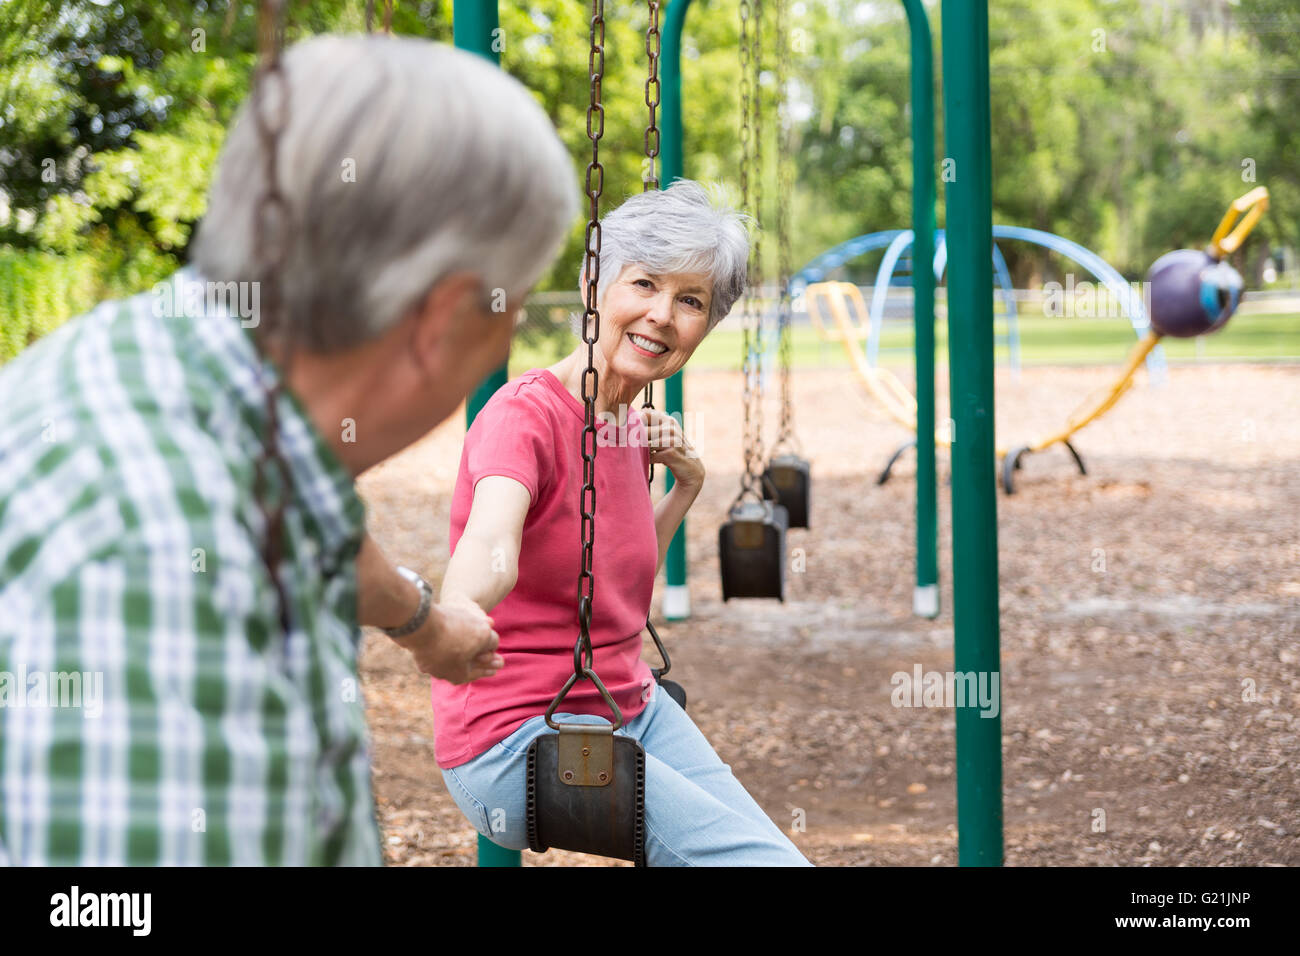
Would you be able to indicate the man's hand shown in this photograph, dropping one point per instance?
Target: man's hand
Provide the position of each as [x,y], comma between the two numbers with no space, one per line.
[457,643]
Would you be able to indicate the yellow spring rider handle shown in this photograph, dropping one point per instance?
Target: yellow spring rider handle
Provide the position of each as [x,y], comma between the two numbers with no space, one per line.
[1254,204]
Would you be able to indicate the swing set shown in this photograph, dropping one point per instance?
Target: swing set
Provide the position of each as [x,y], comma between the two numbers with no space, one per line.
[774,497]
[586,784]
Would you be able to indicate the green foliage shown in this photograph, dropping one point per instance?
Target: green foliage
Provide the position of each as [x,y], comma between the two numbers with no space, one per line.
[39,291]
[1125,125]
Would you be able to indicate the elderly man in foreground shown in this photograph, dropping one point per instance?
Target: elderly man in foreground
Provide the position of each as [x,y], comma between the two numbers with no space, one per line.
[183,556]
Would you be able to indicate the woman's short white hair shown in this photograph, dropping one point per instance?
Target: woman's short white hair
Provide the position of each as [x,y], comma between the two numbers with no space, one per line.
[402,161]
[687,227]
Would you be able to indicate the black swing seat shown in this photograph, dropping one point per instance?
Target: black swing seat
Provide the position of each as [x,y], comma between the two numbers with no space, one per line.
[788,481]
[751,551]
[586,792]
[585,784]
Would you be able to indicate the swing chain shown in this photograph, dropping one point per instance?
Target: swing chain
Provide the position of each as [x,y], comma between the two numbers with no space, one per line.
[785,186]
[583,655]
[270,113]
[651,181]
[370,16]
[652,45]
[756,102]
[747,306]
[751,316]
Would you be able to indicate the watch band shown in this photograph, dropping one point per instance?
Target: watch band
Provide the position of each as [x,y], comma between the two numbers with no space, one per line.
[421,612]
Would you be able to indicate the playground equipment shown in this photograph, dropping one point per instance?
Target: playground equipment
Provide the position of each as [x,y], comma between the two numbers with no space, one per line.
[751,542]
[966,103]
[896,264]
[848,311]
[788,472]
[1193,292]
[585,788]
[846,307]
[976,628]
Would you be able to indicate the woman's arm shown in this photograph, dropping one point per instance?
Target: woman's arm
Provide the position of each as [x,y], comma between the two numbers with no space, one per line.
[669,513]
[485,567]
[455,643]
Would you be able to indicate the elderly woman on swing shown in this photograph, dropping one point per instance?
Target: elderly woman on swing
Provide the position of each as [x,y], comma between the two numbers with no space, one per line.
[672,265]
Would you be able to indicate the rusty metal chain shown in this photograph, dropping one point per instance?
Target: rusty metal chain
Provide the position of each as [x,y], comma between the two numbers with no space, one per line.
[651,141]
[270,111]
[652,46]
[757,445]
[751,185]
[785,187]
[747,478]
[583,656]
[370,16]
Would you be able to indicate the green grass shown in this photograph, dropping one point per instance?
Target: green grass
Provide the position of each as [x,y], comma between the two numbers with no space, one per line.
[1043,341]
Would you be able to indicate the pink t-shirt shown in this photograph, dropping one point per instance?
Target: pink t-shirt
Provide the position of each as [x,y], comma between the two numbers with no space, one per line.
[531,431]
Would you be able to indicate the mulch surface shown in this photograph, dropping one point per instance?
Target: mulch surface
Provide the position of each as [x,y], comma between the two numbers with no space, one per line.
[1149,620]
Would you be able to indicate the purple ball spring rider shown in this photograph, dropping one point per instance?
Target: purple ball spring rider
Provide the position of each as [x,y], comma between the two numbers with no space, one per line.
[1193,291]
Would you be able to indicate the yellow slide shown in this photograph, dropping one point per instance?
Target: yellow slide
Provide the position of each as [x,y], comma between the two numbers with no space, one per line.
[848,314]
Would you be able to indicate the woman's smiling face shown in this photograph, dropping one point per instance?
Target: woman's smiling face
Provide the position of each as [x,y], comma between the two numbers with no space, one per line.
[651,324]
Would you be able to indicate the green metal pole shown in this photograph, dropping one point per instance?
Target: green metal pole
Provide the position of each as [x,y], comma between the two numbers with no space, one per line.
[474,23]
[677,595]
[970,364]
[925,596]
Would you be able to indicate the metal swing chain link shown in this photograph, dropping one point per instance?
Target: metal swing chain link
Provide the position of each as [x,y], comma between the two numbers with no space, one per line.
[747,478]
[652,46]
[270,110]
[388,16]
[756,102]
[785,184]
[651,141]
[583,655]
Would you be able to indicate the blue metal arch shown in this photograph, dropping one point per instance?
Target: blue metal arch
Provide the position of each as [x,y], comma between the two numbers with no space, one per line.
[820,267]
[884,279]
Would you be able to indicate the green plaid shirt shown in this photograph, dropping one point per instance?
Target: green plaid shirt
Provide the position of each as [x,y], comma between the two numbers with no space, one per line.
[130,560]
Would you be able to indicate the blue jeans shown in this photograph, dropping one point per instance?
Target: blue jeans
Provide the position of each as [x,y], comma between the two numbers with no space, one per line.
[696,811]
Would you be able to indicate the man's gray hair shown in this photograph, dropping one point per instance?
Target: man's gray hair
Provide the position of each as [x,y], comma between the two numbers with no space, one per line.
[687,227]
[402,161]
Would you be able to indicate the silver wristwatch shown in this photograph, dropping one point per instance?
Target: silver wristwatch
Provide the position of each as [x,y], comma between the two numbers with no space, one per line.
[421,612]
